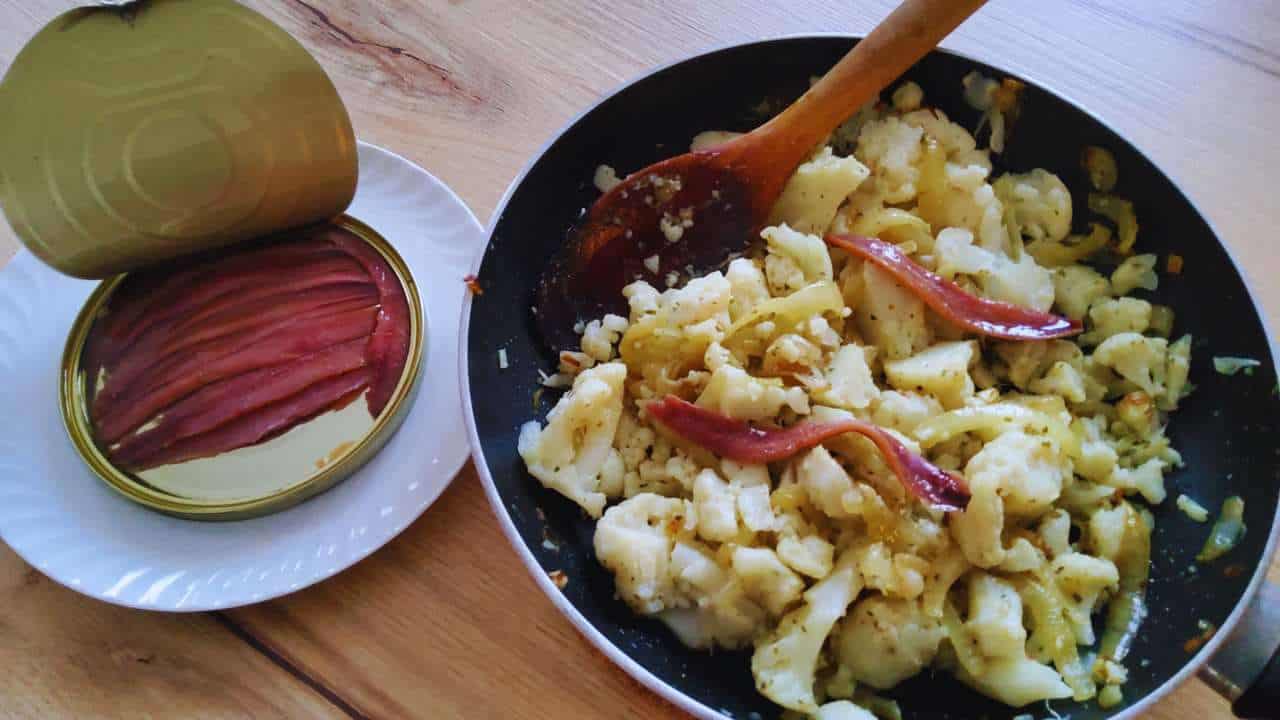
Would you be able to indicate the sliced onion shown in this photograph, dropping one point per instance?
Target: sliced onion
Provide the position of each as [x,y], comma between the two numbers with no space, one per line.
[1227,532]
[741,442]
[991,318]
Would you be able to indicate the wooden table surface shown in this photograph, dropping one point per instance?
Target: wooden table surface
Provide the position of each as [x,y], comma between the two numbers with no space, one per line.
[444,622]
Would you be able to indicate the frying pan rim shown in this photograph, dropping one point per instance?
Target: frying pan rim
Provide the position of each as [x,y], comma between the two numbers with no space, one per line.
[584,626]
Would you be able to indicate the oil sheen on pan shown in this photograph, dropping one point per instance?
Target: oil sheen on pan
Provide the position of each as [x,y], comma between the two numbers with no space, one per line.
[208,356]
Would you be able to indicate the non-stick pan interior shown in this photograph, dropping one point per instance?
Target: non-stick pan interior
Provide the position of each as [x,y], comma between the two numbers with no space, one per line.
[1226,430]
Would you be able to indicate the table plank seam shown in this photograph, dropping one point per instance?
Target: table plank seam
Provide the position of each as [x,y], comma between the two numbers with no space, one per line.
[261,647]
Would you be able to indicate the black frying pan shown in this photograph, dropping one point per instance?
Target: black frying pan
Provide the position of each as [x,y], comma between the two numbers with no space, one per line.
[1227,430]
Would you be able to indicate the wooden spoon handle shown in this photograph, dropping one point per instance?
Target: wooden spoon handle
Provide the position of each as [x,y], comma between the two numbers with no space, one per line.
[902,38]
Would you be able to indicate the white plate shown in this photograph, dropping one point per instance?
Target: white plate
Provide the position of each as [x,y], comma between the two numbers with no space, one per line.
[73,528]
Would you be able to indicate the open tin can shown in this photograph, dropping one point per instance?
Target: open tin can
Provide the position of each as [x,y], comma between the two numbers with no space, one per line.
[169,135]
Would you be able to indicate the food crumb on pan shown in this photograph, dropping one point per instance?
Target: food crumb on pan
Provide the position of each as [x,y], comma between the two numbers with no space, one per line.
[1173,264]
[559,578]
[1192,509]
[605,179]
[502,359]
[1207,629]
[473,284]
[1233,570]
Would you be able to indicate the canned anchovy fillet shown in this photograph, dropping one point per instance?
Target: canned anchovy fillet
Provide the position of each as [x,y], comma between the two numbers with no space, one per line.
[241,381]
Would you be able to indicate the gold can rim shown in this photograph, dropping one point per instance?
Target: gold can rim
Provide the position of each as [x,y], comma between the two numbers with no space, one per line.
[71,396]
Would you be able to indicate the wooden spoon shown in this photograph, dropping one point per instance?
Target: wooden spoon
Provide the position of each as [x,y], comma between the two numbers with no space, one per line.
[638,229]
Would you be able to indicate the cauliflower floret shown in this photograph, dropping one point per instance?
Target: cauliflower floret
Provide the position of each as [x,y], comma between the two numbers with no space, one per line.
[1017,681]
[722,614]
[605,178]
[904,411]
[814,192]
[733,392]
[1114,316]
[1039,201]
[703,298]
[1022,282]
[907,97]
[784,663]
[599,336]
[829,487]
[1146,479]
[1021,556]
[1062,380]
[884,641]
[1138,271]
[717,514]
[1028,472]
[1106,531]
[952,137]
[571,452]
[1076,288]
[995,617]
[1138,359]
[942,371]
[849,382]
[977,528]
[890,316]
[1097,458]
[1055,532]
[766,579]
[793,356]
[810,555]
[634,540]
[1082,579]
[642,298]
[747,287]
[891,148]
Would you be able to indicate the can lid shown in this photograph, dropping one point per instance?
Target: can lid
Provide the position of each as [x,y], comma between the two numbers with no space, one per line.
[156,130]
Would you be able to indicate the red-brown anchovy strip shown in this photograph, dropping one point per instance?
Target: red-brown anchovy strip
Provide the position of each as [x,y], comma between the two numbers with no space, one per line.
[267,422]
[389,343]
[228,357]
[160,345]
[986,317]
[221,402]
[744,443]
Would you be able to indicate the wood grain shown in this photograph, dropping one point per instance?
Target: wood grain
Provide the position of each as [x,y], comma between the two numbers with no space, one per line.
[64,655]
[444,622]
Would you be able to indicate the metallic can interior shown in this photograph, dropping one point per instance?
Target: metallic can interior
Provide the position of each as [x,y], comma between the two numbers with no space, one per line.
[74,404]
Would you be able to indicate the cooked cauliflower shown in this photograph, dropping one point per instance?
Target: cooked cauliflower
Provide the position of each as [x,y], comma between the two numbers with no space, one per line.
[1039,202]
[1136,358]
[572,453]
[1111,317]
[889,316]
[634,540]
[942,371]
[1076,288]
[813,194]
[785,662]
[1138,271]
[1028,472]
[849,384]
[891,148]
[884,641]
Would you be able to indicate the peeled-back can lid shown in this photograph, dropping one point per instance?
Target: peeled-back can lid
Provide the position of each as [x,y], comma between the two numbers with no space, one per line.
[161,128]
